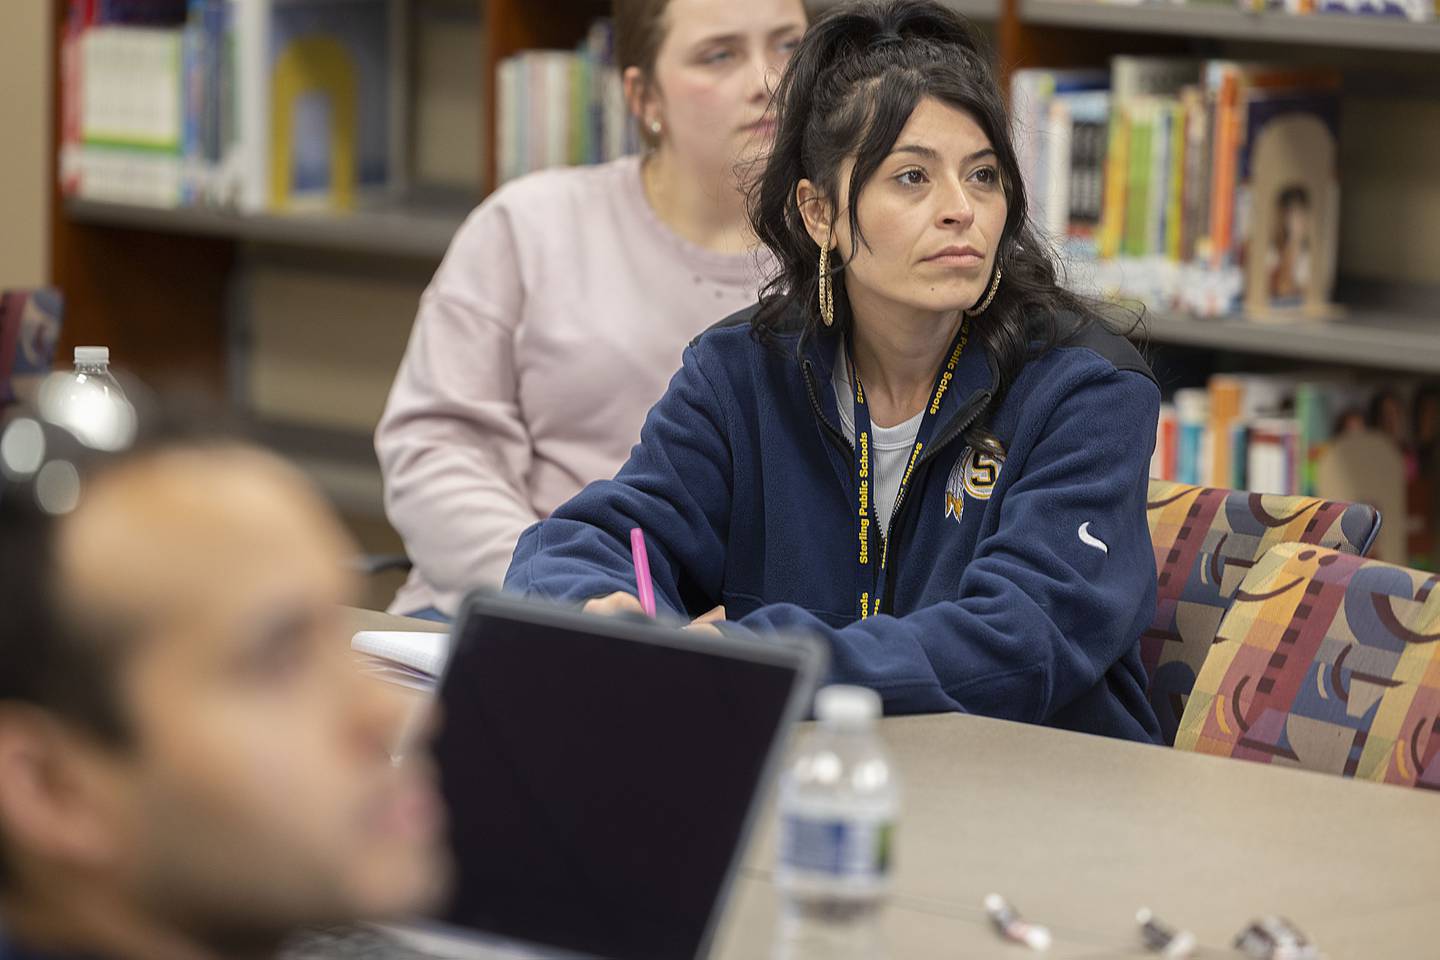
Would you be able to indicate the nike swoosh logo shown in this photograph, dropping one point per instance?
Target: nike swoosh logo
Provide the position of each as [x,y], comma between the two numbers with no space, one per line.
[1089,539]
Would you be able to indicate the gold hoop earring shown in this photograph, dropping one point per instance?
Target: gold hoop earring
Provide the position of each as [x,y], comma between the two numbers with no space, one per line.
[827,287]
[989,295]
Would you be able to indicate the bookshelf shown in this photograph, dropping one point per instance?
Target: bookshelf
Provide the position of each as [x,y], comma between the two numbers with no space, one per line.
[407,228]
[1373,339]
[155,284]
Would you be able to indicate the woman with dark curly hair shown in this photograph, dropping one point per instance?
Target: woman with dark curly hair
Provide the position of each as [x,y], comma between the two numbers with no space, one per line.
[917,445]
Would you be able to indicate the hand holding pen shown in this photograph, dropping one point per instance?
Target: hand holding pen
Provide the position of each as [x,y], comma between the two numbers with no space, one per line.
[642,602]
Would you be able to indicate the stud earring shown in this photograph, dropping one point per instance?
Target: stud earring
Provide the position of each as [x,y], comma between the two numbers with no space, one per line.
[655,127]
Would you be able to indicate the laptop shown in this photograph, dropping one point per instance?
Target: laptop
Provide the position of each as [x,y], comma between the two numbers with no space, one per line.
[602,774]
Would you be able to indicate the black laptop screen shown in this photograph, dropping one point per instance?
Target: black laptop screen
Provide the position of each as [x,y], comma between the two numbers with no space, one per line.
[597,787]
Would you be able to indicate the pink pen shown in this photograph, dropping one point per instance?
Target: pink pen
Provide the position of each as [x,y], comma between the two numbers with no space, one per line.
[643,586]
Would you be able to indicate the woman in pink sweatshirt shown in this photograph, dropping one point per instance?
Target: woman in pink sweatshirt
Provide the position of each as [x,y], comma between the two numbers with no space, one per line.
[563,305]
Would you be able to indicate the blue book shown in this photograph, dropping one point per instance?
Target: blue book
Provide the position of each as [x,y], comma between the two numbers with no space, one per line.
[29,329]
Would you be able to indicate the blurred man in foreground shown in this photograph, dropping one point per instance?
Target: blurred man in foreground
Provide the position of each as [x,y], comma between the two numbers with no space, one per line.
[190,764]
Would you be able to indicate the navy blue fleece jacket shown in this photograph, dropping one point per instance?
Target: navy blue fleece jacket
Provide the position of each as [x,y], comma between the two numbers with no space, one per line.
[1018,587]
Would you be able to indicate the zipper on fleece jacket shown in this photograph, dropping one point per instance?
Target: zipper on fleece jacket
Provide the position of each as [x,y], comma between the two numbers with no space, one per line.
[957,425]
[974,407]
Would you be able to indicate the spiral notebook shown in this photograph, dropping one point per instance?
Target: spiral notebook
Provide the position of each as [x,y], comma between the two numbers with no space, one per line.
[404,657]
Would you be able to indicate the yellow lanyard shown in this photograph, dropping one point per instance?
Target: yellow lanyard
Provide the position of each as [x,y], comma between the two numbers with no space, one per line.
[870,576]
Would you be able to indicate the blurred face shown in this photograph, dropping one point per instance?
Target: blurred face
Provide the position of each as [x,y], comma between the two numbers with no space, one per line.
[714,72]
[932,218]
[259,793]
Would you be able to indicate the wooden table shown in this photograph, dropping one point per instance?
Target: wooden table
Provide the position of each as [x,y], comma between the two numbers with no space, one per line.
[1080,831]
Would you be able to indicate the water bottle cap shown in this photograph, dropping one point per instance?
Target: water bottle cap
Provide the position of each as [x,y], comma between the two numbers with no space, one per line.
[843,706]
[92,355]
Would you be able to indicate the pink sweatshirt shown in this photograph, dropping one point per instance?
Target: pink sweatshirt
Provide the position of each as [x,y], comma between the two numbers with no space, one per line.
[553,325]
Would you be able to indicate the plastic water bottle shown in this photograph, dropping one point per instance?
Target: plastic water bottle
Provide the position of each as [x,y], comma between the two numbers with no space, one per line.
[92,365]
[838,807]
[88,401]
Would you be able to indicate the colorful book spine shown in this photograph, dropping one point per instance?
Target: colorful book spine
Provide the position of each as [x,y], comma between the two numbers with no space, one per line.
[81,16]
[246,103]
[1224,80]
[1159,179]
[507,135]
[1192,414]
[1268,454]
[580,134]
[562,107]
[1175,186]
[1089,117]
[131,113]
[1055,214]
[1138,174]
[1312,414]
[1194,178]
[1226,395]
[195,79]
[1163,459]
[1117,171]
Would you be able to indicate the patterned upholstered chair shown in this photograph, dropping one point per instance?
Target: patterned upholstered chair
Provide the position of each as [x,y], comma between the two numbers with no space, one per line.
[1325,661]
[1206,540]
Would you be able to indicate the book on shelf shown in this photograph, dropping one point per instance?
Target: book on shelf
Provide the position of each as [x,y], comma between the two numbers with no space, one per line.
[562,107]
[1137,86]
[1217,181]
[1314,434]
[1415,10]
[130,113]
[120,112]
[1289,197]
[258,105]
[1039,104]
[29,331]
[1079,123]
[134,12]
[446,133]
